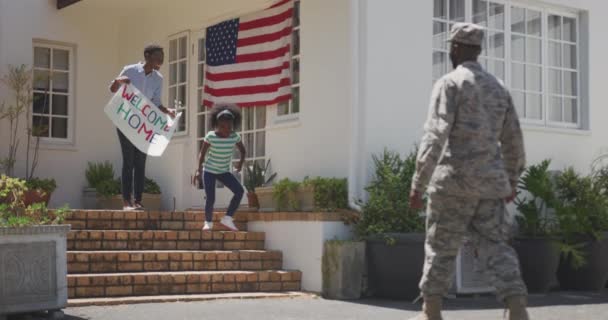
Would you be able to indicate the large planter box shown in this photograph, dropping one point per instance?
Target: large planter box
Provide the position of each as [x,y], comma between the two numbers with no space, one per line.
[593,275]
[395,269]
[343,267]
[304,197]
[539,259]
[150,201]
[33,269]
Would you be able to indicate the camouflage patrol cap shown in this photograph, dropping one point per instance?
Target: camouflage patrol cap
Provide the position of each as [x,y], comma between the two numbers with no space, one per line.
[466,33]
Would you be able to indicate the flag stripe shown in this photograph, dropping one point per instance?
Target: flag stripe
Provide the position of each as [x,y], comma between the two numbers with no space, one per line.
[267,55]
[265,30]
[264,88]
[248,82]
[280,3]
[244,66]
[242,42]
[250,98]
[266,13]
[226,76]
[276,100]
[266,21]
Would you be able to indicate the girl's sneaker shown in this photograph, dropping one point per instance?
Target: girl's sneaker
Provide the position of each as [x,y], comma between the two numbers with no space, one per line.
[228,222]
[208,226]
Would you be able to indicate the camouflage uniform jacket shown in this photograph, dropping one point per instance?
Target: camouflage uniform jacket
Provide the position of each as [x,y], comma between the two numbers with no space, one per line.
[473,144]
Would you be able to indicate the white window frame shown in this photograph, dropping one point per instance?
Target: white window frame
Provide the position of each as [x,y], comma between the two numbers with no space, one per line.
[69,140]
[545,10]
[290,115]
[183,107]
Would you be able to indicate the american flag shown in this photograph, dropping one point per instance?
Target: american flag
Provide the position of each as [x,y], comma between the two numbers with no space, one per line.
[248,58]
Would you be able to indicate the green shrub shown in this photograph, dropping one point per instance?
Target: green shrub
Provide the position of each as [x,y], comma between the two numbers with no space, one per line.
[388,209]
[284,193]
[257,176]
[150,186]
[329,193]
[108,188]
[12,191]
[97,173]
[35,214]
[46,185]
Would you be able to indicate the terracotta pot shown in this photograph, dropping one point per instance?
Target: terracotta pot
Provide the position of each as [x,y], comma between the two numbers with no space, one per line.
[252,199]
[266,201]
[36,196]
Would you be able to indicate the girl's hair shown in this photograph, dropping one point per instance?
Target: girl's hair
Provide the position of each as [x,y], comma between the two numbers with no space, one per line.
[233,109]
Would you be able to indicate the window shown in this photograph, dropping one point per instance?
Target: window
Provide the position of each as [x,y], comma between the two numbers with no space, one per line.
[533,49]
[178,79]
[293,106]
[52,110]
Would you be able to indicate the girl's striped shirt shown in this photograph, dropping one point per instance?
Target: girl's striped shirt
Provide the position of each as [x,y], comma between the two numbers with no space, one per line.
[219,155]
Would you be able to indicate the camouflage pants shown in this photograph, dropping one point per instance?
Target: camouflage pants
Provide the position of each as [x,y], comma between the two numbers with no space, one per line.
[449,220]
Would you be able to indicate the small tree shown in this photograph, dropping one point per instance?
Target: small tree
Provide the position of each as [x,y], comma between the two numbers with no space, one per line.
[18,80]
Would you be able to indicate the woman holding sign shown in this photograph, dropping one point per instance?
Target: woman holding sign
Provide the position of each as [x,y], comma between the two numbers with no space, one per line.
[146,78]
[215,159]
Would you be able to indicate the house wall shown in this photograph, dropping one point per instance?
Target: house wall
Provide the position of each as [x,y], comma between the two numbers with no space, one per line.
[95,39]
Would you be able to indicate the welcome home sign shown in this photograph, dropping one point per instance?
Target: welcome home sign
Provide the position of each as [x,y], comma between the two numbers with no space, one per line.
[142,122]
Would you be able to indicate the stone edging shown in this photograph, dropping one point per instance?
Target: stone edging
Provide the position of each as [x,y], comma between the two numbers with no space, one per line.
[301,216]
[42,229]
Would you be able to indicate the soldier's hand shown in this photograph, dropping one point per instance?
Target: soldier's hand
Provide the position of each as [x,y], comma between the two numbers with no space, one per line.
[416,202]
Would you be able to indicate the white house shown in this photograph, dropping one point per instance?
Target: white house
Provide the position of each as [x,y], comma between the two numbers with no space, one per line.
[363,71]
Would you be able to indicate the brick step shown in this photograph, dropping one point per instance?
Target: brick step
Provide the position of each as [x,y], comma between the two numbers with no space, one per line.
[174,283]
[147,261]
[86,240]
[146,220]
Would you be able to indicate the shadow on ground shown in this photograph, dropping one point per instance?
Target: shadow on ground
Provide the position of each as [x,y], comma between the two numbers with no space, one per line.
[38,316]
[488,302]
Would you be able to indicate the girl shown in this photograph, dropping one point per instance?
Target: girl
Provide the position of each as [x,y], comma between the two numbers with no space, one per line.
[220,143]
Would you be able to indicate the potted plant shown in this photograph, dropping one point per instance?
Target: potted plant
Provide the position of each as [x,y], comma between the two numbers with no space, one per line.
[537,244]
[284,195]
[257,177]
[152,195]
[39,191]
[343,265]
[33,251]
[328,194]
[95,174]
[582,212]
[394,233]
[109,195]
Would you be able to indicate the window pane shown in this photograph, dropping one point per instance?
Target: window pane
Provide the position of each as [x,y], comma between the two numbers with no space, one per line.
[497,16]
[260,117]
[182,72]
[533,78]
[496,47]
[295,70]
[555,54]
[199,101]
[555,81]
[60,81]
[182,124]
[480,12]
[570,110]
[42,57]
[173,50]
[183,47]
[248,114]
[248,141]
[60,105]
[201,50]
[483,62]
[173,97]
[283,108]
[517,20]
[570,83]
[40,126]
[42,80]
[295,43]
[570,56]
[497,68]
[200,126]
[182,99]
[61,59]
[517,76]
[457,10]
[569,29]
[439,35]
[534,24]
[172,74]
[440,60]
[440,9]
[295,104]
[296,14]
[518,48]
[260,144]
[59,128]
[201,75]
[555,27]
[533,106]
[555,109]
[533,51]
[41,103]
[518,102]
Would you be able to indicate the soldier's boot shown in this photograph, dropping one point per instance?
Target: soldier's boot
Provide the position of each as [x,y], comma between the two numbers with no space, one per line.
[431,309]
[516,306]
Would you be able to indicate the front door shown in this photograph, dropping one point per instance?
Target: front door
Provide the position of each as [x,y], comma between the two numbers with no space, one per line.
[253,128]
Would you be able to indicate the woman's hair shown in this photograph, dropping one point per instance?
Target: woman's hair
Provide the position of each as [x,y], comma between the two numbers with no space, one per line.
[220,110]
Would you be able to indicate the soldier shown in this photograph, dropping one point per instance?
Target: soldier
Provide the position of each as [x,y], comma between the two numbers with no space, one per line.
[470,158]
